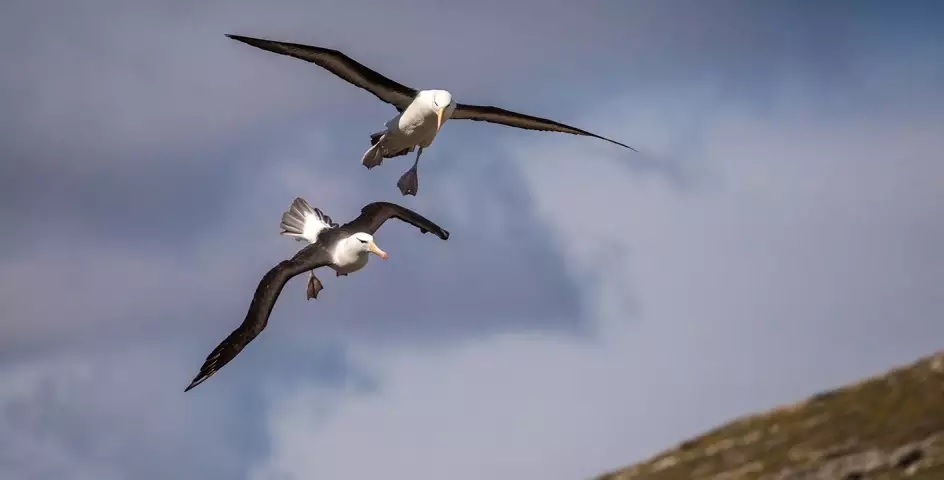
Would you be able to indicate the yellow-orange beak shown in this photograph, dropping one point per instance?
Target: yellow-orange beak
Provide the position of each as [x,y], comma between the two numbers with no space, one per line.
[439,118]
[376,250]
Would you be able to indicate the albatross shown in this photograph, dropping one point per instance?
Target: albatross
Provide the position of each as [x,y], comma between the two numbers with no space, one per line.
[421,113]
[345,248]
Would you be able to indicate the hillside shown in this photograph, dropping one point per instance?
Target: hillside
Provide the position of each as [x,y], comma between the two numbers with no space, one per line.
[886,427]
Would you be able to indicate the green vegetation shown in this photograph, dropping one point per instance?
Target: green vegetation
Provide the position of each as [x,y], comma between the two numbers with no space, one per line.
[884,428]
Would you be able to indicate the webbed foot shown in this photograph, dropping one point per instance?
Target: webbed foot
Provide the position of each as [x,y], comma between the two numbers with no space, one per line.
[409,182]
[314,286]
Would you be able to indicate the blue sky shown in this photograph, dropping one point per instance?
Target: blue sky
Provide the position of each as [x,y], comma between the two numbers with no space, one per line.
[779,233]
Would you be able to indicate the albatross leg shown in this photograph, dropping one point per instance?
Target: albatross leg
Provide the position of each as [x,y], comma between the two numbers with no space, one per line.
[314,286]
[409,182]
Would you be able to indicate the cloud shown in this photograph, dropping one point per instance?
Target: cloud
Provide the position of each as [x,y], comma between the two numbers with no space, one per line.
[109,415]
[145,76]
[125,289]
[802,262]
[89,90]
[147,158]
[144,112]
[132,316]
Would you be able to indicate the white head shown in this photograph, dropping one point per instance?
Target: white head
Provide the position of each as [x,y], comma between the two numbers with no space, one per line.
[442,105]
[364,242]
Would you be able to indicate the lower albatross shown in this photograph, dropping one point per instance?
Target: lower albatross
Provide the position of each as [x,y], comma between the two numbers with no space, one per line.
[421,113]
[343,248]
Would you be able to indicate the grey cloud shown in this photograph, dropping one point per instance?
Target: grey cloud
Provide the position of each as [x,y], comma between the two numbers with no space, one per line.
[144,76]
[480,281]
[153,313]
[110,415]
[112,114]
[146,158]
[498,271]
[809,261]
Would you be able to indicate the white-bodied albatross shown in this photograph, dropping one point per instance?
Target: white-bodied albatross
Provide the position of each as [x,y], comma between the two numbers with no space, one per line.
[344,248]
[421,112]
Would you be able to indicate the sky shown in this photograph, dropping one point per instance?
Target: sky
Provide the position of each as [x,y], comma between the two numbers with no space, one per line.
[778,234]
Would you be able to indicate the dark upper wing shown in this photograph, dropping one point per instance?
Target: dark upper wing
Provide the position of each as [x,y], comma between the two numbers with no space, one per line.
[373,215]
[520,120]
[308,258]
[341,65]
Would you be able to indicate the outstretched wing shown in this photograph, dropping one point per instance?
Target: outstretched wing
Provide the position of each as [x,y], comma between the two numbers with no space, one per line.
[308,258]
[513,119]
[373,215]
[341,65]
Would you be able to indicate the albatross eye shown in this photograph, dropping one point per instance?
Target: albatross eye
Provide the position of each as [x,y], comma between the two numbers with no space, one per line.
[362,240]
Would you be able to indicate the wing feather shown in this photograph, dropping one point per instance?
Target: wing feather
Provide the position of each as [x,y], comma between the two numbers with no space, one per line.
[308,258]
[341,65]
[513,119]
[373,215]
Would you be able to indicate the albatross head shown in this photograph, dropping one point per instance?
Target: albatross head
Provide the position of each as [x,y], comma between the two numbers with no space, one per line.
[364,242]
[443,105]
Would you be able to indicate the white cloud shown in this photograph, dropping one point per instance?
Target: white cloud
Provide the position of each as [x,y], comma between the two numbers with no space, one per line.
[807,259]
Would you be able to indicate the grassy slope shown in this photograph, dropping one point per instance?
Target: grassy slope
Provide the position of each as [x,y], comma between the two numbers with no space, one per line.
[886,427]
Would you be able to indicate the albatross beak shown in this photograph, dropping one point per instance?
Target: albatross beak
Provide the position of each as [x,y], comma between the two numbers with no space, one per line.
[439,118]
[376,250]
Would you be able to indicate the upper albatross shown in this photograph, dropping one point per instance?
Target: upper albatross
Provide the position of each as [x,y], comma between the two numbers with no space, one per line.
[344,248]
[421,112]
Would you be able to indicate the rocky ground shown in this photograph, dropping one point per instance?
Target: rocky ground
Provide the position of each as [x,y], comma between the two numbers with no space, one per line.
[886,427]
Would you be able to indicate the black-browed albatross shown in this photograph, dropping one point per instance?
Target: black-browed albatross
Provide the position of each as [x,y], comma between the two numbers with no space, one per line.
[344,248]
[421,112]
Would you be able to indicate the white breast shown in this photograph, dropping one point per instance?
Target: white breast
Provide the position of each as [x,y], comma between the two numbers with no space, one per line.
[415,126]
[348,261]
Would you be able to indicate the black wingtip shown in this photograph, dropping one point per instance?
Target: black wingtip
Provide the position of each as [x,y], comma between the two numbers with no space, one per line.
[239,38]
[200,378]
[194,383]
[441,233]
[620,144]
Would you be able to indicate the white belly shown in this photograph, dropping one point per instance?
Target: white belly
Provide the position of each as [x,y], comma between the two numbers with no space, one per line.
[414,127]
[345,264]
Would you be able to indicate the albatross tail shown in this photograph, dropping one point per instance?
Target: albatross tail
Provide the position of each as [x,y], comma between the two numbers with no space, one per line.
[304,222]
[377,152]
